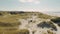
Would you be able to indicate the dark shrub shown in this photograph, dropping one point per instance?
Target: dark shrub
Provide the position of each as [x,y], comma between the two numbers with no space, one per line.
[21,12]
[56,19]
[12,13]
[1,14]
[47,25]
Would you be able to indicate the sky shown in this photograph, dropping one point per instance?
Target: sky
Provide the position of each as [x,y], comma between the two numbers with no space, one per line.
[29,5]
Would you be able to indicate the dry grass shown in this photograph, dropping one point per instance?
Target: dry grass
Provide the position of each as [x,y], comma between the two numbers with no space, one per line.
[6,18]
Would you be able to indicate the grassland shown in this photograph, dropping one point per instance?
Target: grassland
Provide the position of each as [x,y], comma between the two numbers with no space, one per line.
[9,21]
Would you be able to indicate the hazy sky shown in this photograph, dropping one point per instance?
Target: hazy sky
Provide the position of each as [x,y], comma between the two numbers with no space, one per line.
[36,5]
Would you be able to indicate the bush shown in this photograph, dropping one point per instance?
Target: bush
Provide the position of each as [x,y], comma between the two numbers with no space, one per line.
[48,24]
[56,19]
